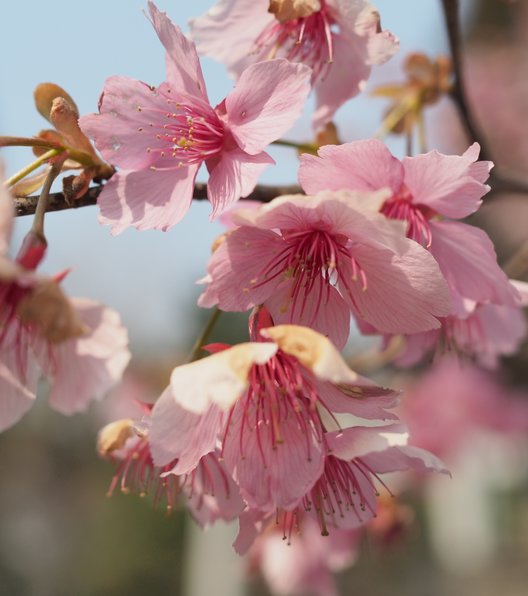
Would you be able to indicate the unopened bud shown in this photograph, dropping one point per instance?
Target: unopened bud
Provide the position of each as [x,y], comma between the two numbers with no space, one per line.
[44,95]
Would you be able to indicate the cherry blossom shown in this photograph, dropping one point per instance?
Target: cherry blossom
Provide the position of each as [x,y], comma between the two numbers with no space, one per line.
[315,260]
[159,137]
[210,492]
[265,405]
[79,345]
[338,39]
[425,190]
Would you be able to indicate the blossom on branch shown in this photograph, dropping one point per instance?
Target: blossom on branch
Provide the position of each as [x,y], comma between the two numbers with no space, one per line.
[315,260]
[270,407]
[79,345]
[160,137]
[338,39]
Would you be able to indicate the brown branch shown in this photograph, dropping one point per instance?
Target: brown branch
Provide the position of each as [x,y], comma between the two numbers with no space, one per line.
[57,202]
[452,20]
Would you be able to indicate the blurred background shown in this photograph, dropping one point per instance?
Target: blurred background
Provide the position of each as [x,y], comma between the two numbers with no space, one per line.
[59,534]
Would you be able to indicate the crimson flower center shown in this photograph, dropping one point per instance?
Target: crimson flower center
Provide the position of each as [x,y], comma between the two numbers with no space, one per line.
[314,261]
[401,207]
[279,393]
[307,40]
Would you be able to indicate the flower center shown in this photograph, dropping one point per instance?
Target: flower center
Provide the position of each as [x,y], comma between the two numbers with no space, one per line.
[401,207]
[305,39]
[344,487]
[188,133]
[314,261]
[278,393]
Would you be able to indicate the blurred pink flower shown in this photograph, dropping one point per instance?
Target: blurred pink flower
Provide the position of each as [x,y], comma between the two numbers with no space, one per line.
[210,492]
[161,136]
[307,563]
[339,40]
[79,345]
[455,399]
[315,260]
[486,332]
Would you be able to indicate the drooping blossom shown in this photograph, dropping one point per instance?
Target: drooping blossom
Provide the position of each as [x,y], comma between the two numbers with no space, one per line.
[427,192]
[315,260]
[309,561]
[339,40]
[344,496]
[266,405]
[210,492]
[79,345]
[484,333]
[159,137]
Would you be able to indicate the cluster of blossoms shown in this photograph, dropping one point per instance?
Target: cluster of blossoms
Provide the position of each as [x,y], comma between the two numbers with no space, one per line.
[278,432]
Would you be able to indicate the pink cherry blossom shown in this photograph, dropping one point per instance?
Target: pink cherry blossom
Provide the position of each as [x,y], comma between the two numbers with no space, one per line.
[315,260]
[425,189]
[210,492]
[453,400]
[159,137]
[263,404]
[79,345]
[484,333]
[344,496]
[338,39]
[309,560]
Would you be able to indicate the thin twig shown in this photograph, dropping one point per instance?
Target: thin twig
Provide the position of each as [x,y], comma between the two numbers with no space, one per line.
[452,19]
[57,202]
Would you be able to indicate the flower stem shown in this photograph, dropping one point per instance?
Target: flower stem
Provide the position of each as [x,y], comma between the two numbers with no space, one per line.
[32,166]
[307,147]
[38,221]
[197,347]
[27,142]
[400,110]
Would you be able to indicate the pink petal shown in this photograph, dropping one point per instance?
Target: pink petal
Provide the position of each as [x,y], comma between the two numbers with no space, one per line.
[234,175]
[405,292]
[86,368]
[6,214]
[121,129]
[267,99]
[212,493]
[452,185]
[416,347]
[269,478]
[468,261]
[327,314]
[251,523]
[364,400]
[502,330]
[240,21]
[176,433]
[219,379]
[147,199]
[401,459]
[184,72]
[361,165]
[239,259]
[344,79]
[18,386]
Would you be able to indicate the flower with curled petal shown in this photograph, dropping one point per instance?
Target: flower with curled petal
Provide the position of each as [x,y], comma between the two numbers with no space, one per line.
[160,137]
